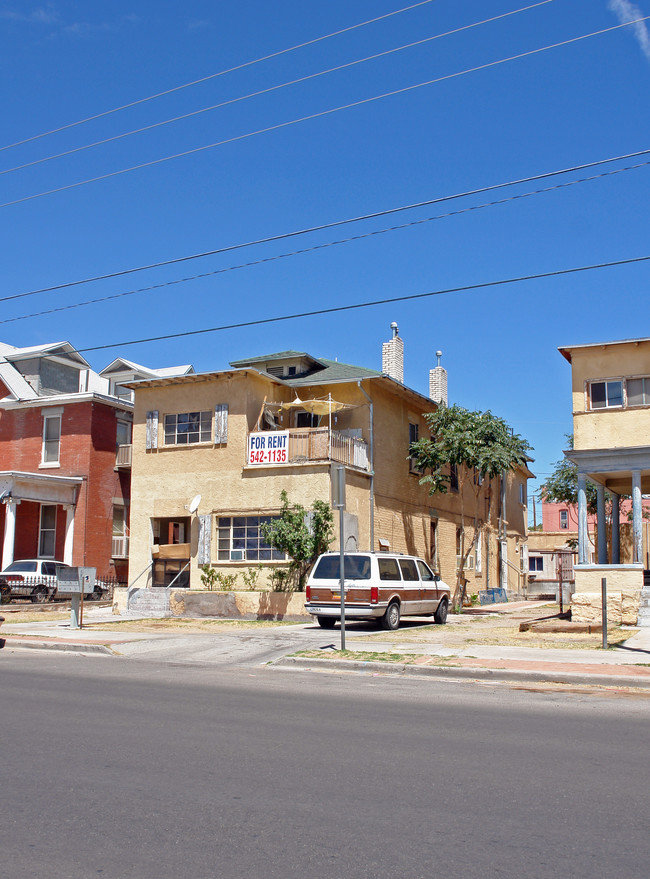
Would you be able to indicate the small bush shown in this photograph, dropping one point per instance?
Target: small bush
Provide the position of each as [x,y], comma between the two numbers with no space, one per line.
[226,581]
[208,577]
[251,577]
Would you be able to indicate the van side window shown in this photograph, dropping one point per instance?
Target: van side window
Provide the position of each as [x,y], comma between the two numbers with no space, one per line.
[425,572]
[388,569]
[409,571]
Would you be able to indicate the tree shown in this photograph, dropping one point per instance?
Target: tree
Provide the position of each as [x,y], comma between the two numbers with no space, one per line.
[301,534]
[562,485]
[475,448]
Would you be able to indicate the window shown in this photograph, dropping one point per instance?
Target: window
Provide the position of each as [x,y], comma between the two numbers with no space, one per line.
[453,477]
[564,519]
[123,437]
[522,493]
[170,532]
[535,564]
[188,427]
[47,532]
[478,553]
[356,567]
[414,436]
[240,538]
[119,521]
[606,395]
[638,391]
[306,419]
[388,569]
[409,571]
[51,439]
[425,573]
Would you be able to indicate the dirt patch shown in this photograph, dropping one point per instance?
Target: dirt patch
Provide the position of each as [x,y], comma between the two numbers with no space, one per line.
[184,625]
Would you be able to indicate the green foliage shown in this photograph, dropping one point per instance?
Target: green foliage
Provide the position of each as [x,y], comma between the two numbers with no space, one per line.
[562,485]
[213,579]
[477,441]
[474,444]
[208,577]
[280,580]
[302,535]
[251,576]
[226,581]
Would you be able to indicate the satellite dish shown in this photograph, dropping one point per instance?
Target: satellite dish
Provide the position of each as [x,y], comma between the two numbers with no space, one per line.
[194,503]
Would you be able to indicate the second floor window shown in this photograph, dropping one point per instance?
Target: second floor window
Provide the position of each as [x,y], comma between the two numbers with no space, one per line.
[606,395]
[51,439]
[188,427]
[564,519]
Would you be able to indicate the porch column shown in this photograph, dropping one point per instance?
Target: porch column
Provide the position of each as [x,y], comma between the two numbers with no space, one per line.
[69,533]
[616,529]
[602,524]
[582,519]
[637,517]
[10,532]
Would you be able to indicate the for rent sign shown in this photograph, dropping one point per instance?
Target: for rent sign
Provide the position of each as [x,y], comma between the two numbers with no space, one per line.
[270,447]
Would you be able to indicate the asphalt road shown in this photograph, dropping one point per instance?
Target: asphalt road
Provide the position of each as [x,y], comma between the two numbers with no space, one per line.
[117,768]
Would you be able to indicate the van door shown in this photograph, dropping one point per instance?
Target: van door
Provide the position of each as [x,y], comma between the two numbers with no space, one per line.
[429,592]
[411,600]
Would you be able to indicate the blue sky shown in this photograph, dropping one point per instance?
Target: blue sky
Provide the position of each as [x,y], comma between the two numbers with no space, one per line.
[65,61]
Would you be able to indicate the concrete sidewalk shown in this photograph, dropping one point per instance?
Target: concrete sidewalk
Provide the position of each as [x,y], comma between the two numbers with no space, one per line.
[627,665]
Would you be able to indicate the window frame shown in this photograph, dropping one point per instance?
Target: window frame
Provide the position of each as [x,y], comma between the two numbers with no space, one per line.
[564,520]
[49,441]
[230,552]
[203,429]
[617,380]
[44,532]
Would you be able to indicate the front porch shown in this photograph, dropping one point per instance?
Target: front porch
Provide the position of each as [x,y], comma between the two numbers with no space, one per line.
[616,473]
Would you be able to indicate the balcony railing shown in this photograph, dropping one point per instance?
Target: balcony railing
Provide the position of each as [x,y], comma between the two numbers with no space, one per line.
[124,454]
[312,444]
[120,547]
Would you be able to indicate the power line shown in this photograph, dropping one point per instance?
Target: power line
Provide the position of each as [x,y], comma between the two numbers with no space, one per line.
[315,247]
[280,125]
[324,226]
[268,90]
[371,304]
[215,75]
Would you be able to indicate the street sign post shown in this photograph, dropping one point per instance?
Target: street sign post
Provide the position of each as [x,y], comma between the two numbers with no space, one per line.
[338,499]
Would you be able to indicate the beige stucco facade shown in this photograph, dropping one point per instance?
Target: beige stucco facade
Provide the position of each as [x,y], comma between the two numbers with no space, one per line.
[385,504]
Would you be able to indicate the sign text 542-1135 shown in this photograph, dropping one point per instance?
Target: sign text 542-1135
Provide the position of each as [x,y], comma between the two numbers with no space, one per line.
[270,447]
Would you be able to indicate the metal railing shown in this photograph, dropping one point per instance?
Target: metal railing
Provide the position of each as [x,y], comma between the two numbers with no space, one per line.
[321,444]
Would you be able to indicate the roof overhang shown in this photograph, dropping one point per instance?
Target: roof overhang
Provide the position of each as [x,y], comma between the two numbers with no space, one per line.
[44,488]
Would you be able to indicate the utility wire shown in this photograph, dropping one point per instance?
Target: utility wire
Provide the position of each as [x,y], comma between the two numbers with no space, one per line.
[315,247]
[371,304]
[320,114]
[323,226]
[215,75]
[268,90]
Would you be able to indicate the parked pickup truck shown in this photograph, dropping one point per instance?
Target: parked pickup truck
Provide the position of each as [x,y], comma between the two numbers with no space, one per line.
[378,586]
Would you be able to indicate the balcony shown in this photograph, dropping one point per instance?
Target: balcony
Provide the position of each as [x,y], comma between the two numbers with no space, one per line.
[308,445]
[120,547]
[123,458]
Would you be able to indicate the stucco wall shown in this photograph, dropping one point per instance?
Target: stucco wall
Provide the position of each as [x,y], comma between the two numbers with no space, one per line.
[603,428]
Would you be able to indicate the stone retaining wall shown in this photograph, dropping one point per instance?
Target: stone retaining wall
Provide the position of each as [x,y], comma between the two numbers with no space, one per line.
[220,605]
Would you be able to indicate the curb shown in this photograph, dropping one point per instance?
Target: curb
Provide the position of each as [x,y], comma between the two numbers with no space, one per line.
[458,672]
[68,646]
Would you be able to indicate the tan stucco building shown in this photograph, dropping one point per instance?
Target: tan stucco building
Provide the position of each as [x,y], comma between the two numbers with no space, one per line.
[237,438]
[611,426]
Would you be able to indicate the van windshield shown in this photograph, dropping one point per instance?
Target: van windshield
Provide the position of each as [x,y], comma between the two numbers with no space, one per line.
[356,567]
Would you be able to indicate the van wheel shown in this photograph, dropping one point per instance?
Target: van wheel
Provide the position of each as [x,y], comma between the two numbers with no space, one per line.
[326,622]
[440,616]
[40,594]
[390,619]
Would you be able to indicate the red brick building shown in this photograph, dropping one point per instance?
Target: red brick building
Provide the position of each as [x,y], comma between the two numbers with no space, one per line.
[65,464]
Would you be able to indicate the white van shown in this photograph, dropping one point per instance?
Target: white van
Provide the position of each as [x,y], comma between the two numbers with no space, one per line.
[381,586]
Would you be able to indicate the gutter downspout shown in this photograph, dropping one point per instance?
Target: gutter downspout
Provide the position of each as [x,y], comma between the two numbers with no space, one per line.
[371,450]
